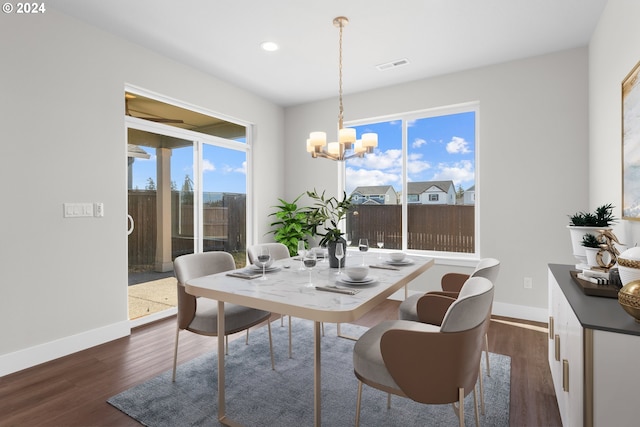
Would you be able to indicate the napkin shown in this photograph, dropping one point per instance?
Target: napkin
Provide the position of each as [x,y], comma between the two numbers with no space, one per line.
[384,267]
[244,275]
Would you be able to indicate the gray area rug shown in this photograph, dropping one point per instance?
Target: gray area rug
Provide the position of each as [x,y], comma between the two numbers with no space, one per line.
[259,396]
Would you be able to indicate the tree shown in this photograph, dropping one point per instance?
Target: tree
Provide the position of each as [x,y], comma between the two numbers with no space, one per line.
[151,185]
[187,190]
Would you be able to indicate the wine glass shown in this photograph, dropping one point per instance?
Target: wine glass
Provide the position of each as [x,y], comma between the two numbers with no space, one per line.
[348,237]
[363,246]
[339,255]
[264,256]
[301,250]
[380,246]
[309,260]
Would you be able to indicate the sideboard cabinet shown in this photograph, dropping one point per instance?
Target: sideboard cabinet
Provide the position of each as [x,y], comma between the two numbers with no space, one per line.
[594,349]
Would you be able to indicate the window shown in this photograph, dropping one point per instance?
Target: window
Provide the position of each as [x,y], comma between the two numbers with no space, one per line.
[429,159]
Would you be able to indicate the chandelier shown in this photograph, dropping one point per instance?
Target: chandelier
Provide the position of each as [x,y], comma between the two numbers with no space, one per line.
[346,147]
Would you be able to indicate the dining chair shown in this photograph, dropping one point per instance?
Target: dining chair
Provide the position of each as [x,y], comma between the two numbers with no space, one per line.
[451,284]
[277,251]
[424,362]
[200,315]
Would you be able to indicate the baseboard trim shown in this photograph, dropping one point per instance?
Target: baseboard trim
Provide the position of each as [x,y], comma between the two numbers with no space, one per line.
[534,314]
[32,356]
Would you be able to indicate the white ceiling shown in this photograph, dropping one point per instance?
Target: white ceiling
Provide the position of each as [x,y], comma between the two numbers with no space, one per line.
[222,37]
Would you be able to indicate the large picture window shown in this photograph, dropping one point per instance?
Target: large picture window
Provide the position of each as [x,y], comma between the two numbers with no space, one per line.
[418,190]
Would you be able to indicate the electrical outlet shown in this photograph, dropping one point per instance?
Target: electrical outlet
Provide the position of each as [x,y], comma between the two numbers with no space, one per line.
[528,283]
[98,209]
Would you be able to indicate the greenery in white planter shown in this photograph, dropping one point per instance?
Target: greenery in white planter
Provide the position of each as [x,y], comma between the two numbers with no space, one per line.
[601,217]
[590,241]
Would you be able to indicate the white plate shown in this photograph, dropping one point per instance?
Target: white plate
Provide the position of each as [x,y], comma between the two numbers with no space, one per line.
[366,281]
[267,269]
[403,262]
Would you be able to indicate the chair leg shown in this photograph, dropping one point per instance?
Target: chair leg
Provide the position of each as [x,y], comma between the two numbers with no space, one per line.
[358,402]
[290,347]
[246,341]
[175,355]
[481,388]
[475,406]
[388,400]
[226,345]
[273,363]
[460,407]
[486,350]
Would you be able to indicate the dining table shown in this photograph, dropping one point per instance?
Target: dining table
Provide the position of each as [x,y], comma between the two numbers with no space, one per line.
[320,295]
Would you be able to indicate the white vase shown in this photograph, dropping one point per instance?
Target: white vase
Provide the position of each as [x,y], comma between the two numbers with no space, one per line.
[577,233]
[591,254]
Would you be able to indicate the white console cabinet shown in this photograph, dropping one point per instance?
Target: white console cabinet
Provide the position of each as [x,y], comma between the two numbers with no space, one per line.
[594,350]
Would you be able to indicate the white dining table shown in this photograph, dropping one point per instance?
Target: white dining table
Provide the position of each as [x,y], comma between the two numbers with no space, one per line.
[286,292]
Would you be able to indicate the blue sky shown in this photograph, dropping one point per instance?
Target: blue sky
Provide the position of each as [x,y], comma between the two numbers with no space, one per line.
[224,170]
[439,148]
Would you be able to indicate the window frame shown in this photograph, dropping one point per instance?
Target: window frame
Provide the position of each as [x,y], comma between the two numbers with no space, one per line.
[455,258]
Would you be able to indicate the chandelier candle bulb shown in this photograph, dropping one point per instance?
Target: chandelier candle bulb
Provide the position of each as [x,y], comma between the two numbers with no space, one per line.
[347,136]
[318,139]
[333,148]
[369,140]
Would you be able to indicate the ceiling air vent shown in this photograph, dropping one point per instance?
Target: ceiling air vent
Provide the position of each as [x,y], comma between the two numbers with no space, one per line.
[392,64]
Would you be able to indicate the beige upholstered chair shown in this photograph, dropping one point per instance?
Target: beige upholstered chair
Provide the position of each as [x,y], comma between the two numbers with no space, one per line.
[200,315]
[424,362]
[277,251]
[451,285]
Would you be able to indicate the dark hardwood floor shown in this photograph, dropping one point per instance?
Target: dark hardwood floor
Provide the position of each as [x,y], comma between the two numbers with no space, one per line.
[72,391]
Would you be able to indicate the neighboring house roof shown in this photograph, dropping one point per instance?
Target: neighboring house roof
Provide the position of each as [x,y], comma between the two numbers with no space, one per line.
[472,188]
[422,186]
[372,189]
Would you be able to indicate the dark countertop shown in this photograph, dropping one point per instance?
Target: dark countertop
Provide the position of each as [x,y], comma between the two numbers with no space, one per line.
[593,312]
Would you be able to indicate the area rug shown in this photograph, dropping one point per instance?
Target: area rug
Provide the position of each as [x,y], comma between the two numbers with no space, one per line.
[258,396]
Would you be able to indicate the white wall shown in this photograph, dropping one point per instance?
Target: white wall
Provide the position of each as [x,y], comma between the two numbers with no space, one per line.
[614,50]
[62,83]
[532,168]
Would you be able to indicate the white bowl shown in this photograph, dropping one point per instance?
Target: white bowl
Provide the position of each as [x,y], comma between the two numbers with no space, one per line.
[397,256]
[357,273]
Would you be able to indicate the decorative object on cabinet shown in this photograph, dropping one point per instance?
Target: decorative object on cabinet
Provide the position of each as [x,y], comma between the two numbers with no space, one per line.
[629,265]
[591,287]
[596,223]
[629,299]
[631,144]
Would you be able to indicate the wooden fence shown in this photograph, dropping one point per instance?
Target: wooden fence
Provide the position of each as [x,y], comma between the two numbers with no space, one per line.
[447,228]
[219,232]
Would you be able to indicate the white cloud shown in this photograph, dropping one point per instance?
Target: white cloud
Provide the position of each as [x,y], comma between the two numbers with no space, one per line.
[230,169]
[389,160]
[418,142]
[460,173]
[207,166]
[364,177]
[458,145]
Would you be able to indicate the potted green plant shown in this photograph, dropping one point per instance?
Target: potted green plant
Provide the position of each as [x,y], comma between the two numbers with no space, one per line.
[582,223]
[292,224]
[326,213]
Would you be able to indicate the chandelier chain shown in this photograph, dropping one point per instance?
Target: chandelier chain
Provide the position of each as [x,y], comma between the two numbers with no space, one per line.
[341,108]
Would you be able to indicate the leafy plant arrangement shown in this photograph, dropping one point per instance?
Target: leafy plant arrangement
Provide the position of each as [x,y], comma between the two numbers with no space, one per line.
[328,212]
[292,224]
[601,217]
[590,241]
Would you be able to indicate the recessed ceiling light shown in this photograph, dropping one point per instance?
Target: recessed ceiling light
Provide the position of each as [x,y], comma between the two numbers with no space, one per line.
[269,46]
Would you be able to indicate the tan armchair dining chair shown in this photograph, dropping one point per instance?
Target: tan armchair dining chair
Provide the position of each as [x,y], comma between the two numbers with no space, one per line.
[427,363]
[451,284]
[200,315]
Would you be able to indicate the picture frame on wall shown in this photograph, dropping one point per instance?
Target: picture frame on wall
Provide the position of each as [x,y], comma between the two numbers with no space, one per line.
[631,145]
